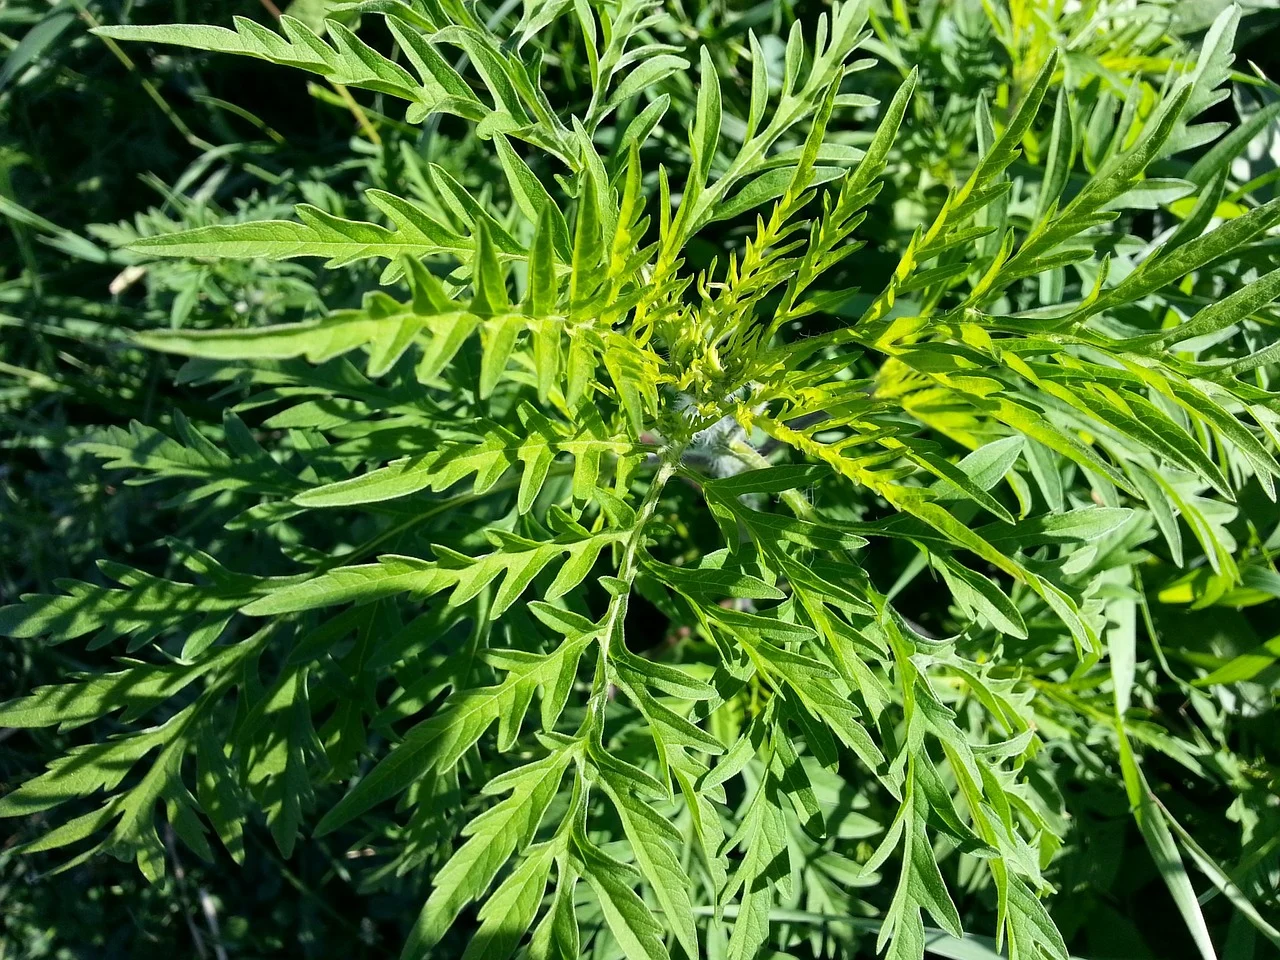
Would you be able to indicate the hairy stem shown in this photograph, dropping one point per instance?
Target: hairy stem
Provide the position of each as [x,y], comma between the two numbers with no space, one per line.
[630,562]
[628,566]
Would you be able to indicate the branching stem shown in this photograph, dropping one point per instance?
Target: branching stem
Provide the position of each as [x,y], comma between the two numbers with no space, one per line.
[628,566]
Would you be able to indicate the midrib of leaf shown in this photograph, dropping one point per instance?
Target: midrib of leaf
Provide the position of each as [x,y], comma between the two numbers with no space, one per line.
[287,239]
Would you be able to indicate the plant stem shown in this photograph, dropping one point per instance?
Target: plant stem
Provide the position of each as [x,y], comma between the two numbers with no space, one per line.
[628,566]
[630,562]
[152,91]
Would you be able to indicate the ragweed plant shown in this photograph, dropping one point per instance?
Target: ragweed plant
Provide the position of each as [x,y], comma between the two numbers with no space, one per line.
[558,464]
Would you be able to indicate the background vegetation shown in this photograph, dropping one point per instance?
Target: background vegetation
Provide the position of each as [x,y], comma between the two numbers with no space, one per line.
[103,144]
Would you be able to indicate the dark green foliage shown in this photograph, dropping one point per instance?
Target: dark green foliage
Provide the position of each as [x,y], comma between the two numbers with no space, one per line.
[660,488]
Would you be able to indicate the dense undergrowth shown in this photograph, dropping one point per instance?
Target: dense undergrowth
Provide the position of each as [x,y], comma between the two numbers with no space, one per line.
[639,480]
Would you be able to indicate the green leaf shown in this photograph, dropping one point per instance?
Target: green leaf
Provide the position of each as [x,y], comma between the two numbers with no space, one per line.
[1061,155]
[358,584]
[1163,849]
[1219,877]
[277,760]
[651,72]
[762,839]
[556,937]
[1244,667]
[319,234]
[1223,313]
[219,794]
[979,595]
[509,913]
[705,135]
[634,928]
[1160,271]
[438,742]
[492,838]
[655,842]
[347,60]
[1083,525]
[777,479]
[136,691]
[712,583]
[496,451]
